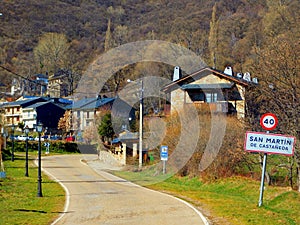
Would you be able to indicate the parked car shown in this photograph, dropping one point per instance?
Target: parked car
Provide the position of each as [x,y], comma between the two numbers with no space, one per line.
[30,138]
[13,137]
[21,138]
[70,138]
[37,138]
[46,137]
[55,137]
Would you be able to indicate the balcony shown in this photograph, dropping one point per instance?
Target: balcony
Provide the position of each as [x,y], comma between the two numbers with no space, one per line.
[216,107]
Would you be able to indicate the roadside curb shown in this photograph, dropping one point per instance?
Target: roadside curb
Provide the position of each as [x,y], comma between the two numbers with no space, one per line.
[67,197]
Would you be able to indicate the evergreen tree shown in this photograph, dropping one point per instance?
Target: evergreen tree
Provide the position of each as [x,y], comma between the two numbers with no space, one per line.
[213,36]
[105,128]
[108,44]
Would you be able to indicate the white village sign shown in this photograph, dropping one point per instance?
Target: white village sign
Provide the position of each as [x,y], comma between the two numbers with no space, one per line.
[269,143]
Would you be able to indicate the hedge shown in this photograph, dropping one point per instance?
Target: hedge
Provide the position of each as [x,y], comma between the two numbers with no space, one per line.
[55,147]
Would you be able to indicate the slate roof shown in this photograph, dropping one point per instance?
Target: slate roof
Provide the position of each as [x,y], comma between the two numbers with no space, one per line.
[202,73]
[207,86]
[98,103]
[80,103]
[38,104]
[90,103]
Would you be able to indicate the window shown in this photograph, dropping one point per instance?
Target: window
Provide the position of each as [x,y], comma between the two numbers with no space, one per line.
[211,97]
[87,115]
[196,96]
[203,96]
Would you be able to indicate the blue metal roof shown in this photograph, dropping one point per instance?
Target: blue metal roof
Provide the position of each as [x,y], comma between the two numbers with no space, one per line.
[116,141]
[80,103]
[103,101]
[21,102]
[65,101]
[36,105]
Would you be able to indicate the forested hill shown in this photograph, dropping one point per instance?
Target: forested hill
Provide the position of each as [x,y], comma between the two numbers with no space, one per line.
[236,28]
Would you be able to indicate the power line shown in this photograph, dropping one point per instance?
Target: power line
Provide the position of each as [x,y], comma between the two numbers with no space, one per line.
[12,72]
[35,82]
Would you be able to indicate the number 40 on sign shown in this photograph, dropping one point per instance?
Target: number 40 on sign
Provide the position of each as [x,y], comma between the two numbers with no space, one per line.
[268,121]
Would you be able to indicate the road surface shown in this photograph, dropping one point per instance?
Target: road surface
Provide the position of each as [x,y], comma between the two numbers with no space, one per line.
[96,197]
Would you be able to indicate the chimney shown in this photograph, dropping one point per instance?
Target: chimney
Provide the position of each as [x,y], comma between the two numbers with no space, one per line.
[247,76]
[176,74]
[255,80]
[228,71]
[239,75]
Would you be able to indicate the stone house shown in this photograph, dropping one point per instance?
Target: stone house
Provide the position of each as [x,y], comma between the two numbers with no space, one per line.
[209,89]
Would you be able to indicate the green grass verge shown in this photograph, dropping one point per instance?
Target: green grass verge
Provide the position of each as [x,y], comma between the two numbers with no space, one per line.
[233,200]
[18,201]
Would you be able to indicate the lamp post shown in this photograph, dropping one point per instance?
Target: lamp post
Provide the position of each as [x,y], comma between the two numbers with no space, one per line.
[140,124]
[13,143]
[4,133]
[26,163]
[39,129]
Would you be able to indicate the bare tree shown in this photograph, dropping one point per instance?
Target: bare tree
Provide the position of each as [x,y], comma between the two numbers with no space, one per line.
[51,51]
[279,87]
[64,122]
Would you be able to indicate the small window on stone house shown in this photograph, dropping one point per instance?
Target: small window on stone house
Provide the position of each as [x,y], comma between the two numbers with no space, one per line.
[211,97]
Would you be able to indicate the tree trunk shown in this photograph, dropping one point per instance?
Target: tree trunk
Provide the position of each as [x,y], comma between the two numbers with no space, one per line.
[298,178]
[296,157]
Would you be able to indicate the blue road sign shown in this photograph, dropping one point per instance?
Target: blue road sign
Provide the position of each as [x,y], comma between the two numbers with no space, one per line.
[164,153]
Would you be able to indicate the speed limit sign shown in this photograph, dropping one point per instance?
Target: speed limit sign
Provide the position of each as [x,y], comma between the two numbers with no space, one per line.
[268,121]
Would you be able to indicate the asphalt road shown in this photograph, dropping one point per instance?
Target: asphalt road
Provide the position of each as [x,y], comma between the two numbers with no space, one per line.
[96,197]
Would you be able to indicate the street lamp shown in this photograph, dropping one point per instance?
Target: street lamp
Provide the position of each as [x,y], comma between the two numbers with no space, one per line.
[39,129]
[13,142]
[4,133]
[140,123]
[26,163]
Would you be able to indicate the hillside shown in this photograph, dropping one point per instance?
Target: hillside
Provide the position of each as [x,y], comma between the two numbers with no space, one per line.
[85,24]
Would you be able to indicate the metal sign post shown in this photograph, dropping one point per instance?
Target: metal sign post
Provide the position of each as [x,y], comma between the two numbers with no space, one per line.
[268,144]
[47,145]
[262,182]
[268,122]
